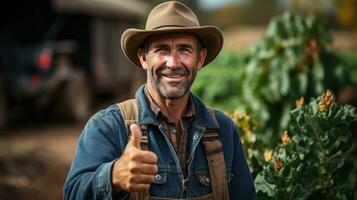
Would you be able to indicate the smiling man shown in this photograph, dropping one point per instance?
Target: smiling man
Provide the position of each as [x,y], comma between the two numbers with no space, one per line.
[172,62]
[165,143]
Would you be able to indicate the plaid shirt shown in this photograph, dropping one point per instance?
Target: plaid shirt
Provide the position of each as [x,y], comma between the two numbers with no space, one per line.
[176,135]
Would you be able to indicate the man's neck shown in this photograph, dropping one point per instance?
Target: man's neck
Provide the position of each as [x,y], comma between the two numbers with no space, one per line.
[172,108]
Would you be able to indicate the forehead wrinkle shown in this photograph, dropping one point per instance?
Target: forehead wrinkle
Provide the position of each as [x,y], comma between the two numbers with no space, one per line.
[170,40]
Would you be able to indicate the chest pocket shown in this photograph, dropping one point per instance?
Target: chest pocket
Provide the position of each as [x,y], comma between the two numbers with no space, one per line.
[204,181]
[201,182]
[160,187]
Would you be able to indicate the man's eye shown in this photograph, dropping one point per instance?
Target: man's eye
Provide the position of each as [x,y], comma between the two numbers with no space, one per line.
[160,50]
[185,50]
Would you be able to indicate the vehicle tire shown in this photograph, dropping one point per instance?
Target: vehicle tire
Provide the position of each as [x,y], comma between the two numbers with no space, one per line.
[76,98]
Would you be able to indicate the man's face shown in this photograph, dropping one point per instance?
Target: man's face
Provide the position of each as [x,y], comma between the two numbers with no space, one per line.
[172,62]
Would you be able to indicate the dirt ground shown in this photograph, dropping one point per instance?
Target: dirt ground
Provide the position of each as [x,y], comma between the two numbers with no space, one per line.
[34,160]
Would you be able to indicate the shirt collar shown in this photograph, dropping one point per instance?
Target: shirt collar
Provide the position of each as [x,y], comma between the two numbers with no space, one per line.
[201,118]
[189,111]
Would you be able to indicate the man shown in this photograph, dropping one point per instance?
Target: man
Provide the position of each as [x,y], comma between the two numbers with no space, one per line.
[166,144]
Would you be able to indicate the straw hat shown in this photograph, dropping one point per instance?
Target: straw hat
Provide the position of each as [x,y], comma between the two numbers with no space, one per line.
[171,17]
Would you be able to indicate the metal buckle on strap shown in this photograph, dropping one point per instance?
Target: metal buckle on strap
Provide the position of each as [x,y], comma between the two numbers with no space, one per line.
[144,139]
[210,134]
[212,144]
[144,136]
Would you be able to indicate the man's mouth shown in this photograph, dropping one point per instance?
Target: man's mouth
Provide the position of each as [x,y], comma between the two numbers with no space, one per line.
[173,77]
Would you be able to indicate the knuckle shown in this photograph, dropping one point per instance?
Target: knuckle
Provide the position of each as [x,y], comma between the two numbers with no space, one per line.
[132,180]
[147,187]
[133,167]
[152,179]
[128,186]
[133,156]
[131,187]
[154,157]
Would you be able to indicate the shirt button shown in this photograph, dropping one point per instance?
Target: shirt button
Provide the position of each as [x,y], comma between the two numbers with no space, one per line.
[195,137]
[208,180]
[158,177]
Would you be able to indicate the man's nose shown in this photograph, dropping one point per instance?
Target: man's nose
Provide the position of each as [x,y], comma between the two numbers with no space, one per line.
[171,60]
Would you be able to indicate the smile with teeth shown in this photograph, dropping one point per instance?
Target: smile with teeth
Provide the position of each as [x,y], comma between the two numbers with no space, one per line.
[172,75]
[174,78]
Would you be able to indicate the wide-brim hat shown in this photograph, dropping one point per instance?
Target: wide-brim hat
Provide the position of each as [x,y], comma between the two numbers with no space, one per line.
[172,17]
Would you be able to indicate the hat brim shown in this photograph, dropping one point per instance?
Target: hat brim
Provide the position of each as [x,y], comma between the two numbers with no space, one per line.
[210,36]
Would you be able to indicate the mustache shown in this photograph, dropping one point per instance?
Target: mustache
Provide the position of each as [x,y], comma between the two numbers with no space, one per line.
[173,71]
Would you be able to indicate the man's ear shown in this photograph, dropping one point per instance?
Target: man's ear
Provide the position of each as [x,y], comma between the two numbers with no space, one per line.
[201,58]
[142,58]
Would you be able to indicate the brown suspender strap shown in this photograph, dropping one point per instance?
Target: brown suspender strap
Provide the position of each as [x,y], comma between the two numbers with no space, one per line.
[216,164]
[130,113]
[212,146]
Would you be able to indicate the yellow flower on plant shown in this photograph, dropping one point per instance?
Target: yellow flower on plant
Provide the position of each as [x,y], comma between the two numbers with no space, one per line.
[236,115]
[278,164]
[268,155]
[299,102]
[326,101]
[285,137]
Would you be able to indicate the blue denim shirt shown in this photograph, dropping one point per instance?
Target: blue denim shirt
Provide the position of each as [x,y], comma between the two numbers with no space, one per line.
[104,138]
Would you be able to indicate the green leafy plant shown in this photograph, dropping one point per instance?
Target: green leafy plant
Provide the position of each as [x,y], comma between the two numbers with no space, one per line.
[217,84]
[291,60]
[252,148]
[311,160]
[259,88]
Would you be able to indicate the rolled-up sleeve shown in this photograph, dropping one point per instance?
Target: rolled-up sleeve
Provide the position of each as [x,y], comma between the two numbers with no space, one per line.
[99,145]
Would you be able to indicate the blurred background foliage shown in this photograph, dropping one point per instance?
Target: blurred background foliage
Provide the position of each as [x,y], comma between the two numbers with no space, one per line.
[292,60]
[291,63]
[228,13]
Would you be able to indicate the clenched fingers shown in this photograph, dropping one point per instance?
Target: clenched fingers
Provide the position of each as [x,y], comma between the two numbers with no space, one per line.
[143,179]
[149,157]
[139,183]
[137,187]
[149,169]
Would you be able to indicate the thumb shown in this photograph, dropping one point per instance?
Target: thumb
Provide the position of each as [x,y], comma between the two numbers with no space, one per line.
[135,135]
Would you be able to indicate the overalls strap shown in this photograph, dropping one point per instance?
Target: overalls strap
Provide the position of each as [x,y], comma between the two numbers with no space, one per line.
[130,113]
[212,147]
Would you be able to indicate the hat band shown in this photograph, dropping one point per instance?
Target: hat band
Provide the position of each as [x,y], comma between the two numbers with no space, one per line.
[164,26]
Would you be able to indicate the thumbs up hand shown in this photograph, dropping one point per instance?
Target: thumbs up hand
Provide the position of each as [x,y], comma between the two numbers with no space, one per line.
[136,134]
[135,169]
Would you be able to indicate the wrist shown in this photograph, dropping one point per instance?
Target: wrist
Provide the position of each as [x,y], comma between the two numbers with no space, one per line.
[115,187]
